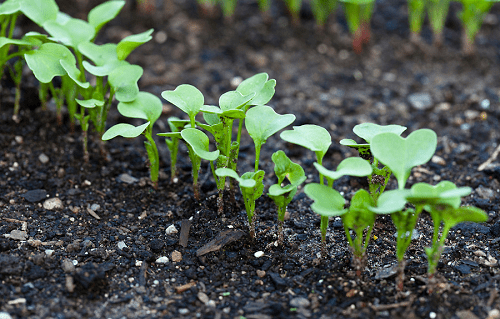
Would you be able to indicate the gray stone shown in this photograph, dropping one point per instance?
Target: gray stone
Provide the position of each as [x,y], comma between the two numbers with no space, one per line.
[300,302]
[18,235]
[127,179]
[420,101]
[35,195]
[485,193]
[67,266]
[44,159]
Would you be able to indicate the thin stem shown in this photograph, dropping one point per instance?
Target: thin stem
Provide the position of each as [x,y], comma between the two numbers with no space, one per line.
[257,155]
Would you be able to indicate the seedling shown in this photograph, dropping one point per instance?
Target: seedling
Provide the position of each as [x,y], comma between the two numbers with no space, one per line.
[148,107]
[187,98]
[416,15]
[443,204]
[322,9]
[261,123]
[358,14]
[294,7]
[326,200]
[282,194]
[251,187]
[472,15]
[438,11]
[380,177]
[172,141]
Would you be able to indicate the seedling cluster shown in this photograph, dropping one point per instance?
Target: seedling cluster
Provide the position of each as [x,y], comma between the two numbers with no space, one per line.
[68,51]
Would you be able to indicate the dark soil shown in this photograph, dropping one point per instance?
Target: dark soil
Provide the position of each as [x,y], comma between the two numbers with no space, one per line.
[96,256]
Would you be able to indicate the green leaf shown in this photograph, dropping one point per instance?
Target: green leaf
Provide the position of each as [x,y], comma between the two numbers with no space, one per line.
[104,13]
[445,192]
[145,106]
[70,33]
[464,214]
[99,54]
[124,81]
[39,11]
[227,172]
[5,41]
[262,122]
[285,168]
[402,154]
[200,143]
[327,201]
[186,97]
[391,201]
[359,215]
[351,166]
[45,61]
[233,100]
[10,7]
[91,103]
[74,73]
[368,130]
[128,44]
[312,137]
[260,86]
[125,130]
[253,192]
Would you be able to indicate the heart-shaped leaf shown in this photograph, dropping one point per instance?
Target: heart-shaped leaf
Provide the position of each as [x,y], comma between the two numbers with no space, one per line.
[391,201]
[128,44]
[45,61]
[368,130]
[262,122]
[186,97]
[260,86]
[145,106]
[124,81]
[312,137]
[351,166]
[233,100]
[90,104]
[227,172]
[39,11]
[327,201]
[99,54]
[402,154]
[200,143]
[104,13]
[125,130]
[9,7]
[445,192]
[71,33]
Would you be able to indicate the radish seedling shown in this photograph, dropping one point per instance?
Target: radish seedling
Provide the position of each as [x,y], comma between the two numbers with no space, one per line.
[261,123]
[358,14]
[172,141]
[416,15]
[251,187]
[322,9]
[282,193]
[352,166]
[438,11]
[187,98]
[380,177]
[472,15]
[148,107]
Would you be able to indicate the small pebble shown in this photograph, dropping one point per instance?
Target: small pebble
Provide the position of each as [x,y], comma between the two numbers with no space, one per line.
[19,139]
[17,235]
[236,81]
[5,315]
[432,315]
[127,179]
[438,160]
[171,230]
[44,159]
[261,273]
[162,260]
[121,245]
[161,37]
[68,266]
[49,252]
[176,256]
[259,254]
[299,302]
[203,297]
[53,204]
[494,314]
[183,311]
[95,207]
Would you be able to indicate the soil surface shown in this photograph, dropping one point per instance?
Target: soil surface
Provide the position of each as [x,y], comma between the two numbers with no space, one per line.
[96,240]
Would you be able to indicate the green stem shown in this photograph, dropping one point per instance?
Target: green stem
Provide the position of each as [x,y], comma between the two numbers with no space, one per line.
[257,156]
[154,158]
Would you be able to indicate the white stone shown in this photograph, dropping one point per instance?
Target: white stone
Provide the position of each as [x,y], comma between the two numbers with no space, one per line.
[259,254]
[49,252]
[171,230]
[121,245]
[44,159]
[162,260]
[53,204]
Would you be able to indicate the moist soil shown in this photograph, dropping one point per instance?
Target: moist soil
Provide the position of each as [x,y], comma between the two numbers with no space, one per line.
[98,252]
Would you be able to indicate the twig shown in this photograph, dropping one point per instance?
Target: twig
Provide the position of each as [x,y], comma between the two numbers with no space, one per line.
[394,305]
[490,160]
